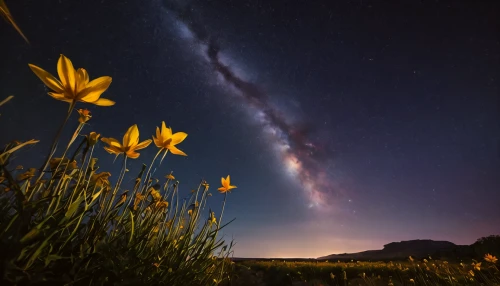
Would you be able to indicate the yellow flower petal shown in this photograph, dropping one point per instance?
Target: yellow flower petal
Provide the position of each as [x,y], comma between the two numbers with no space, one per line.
[165,132]
[94,89]
[176,151]
[113,150]
[82,79]
[104,102]
[131,137]
[178,138]
[143,144]
[158,142]
[67,73]
[59,96]
[49,80]
[111,141]
[133,155]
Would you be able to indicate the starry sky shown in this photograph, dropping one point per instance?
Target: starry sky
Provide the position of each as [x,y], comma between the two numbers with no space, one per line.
[346,125]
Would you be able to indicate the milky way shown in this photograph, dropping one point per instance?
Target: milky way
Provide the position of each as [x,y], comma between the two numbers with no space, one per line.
[305,159]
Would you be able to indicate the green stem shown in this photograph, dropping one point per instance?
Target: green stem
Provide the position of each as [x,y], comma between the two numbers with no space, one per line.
[56,139]
[118,183]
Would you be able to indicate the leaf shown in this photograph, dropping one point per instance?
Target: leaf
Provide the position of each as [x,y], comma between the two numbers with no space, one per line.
[74,207]
[52,257]
[6,100]
[132,227]
[5,154]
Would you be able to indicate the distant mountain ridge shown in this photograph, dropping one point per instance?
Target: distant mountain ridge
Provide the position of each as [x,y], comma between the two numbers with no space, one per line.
[399,250]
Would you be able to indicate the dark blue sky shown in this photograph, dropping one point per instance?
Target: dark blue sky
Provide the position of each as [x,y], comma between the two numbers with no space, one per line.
[391,110]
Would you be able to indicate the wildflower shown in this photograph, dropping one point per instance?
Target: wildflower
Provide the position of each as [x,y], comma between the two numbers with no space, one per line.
[195,205]
[138,199]
[101,180]
[212,219]
[425,260]
[226,185]
[74,84]
[170,176]
[205,185]
[84,115]
[130,143]
[490,258]
[410,258]
[62,162]
[477,266]
[156,264]
[92,138]
[412,281]
[122,200]
[190,212]
[166,140]
[27,175]
[471,273]
[155,195]
[161,205]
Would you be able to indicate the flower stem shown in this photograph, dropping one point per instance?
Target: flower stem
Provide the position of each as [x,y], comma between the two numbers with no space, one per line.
[56,139]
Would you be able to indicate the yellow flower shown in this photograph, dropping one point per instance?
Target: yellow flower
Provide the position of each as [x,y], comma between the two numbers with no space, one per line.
[212,219]
[166,140]
[170,176]
[155,195]
[92,138]
[130,143]
[74,84]
[4,11]
[205,185]
[138,199]
[190,212]
[490,258]
[63,164]
[27,175]
[161,205]
[84,115]
[226,185]
[101,180]
[477,266]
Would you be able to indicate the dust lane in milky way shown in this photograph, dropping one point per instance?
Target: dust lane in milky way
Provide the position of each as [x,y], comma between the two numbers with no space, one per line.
[303,158]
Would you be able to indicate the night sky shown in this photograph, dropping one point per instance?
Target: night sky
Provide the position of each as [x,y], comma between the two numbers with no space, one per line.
[346,125]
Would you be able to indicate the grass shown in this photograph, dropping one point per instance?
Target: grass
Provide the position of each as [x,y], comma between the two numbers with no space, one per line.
[66,223]
[423,272]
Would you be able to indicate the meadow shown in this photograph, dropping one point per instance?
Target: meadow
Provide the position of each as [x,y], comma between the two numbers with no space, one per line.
[410,272]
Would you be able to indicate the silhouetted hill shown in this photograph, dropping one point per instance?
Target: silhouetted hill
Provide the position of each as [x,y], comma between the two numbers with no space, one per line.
[425,247]
[398,250]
